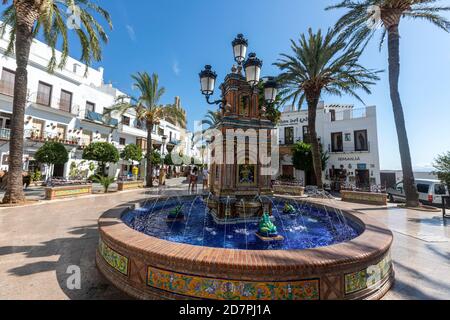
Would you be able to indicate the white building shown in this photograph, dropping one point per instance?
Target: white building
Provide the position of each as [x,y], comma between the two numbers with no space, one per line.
[349,135]
[68,106]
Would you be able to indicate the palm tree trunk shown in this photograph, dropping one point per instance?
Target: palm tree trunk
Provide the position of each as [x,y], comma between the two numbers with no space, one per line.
[149,156]
[26,16]
[412,196]
[313,100]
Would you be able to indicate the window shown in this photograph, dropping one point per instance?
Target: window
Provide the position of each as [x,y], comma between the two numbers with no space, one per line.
[122,141]
[423,188]
[361,143]
[306,138]
[140,124]
[61,129]
[90,106]
[440,190]
[65,101]
[86,137]
[38,128]
[141,142]
[44,95]
[333,115]
[7,82]
[289,135]
[126,120]
[337,142]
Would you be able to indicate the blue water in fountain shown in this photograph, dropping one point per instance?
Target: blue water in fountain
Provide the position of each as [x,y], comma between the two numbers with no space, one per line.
[309,227]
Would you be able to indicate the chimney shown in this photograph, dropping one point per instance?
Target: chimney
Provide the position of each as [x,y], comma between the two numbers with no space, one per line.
[177,102]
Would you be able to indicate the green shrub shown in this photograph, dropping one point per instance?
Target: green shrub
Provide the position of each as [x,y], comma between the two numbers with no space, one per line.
[104,181]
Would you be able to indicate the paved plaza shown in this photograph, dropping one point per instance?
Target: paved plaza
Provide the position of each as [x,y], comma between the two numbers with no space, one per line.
[39,243]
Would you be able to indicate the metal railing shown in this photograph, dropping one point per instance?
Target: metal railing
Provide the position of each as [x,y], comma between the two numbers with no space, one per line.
[347,149]
[5,134]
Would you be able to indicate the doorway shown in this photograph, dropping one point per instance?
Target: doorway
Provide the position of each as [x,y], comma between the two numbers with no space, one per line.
[58,171]
[362,179]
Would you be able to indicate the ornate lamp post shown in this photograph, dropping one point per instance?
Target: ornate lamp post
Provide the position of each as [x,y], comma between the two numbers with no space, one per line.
[162,174]
[252,68]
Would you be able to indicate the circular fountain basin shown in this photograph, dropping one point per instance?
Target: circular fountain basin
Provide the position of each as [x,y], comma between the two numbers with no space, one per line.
[325,253]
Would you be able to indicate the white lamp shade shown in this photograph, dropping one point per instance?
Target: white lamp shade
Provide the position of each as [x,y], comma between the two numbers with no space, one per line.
[270,94]
[208,84]
[252,69]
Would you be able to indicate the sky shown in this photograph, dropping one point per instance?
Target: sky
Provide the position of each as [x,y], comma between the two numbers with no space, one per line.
[176,38]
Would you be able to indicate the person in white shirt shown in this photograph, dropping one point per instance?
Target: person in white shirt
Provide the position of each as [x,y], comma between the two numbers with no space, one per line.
[205,174]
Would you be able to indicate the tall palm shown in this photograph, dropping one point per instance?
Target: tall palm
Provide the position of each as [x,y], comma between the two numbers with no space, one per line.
[147,109]
[321,64]
[360,24]
[211,121]
[26,19]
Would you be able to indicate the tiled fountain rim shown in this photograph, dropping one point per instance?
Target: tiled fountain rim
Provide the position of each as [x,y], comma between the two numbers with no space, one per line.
[370,247]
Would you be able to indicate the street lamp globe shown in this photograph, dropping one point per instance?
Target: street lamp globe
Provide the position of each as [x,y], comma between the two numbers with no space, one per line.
[240,45]
[252,67]
[207,80]
[270,90]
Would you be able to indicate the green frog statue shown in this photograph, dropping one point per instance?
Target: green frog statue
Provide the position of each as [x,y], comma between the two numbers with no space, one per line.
[266,227]
[176,213]
[288,208]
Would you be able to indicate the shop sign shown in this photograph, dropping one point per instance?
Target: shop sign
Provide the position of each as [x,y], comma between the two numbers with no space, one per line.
[293,122]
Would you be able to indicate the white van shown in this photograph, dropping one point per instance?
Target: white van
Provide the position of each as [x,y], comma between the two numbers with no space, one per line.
[430,192]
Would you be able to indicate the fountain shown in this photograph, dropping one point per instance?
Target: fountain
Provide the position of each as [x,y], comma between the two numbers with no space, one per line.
[240,241]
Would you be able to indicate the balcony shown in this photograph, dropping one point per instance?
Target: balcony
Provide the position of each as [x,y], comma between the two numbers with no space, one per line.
[100,119]
[42,137]
[132,130]
[5,134]
[348,149]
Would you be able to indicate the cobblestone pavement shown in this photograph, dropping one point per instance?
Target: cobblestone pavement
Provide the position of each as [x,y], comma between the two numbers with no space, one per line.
[38,243]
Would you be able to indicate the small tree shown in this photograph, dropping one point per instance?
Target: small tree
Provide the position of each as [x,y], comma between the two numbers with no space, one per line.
[155,158]
[132,153]
[303,159]
[442,166]
[51,154]
[103,153]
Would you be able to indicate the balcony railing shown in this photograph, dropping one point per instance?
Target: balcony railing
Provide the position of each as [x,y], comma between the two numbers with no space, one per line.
[7,88]
[5,134]
[348,149]
[37,136]
[98,117]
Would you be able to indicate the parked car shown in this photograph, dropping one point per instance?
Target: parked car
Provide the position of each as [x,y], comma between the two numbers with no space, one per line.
[430,192]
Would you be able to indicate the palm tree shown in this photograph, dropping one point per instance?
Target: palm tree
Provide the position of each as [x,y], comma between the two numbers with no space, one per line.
[148,111]
[26,19]
[360,25]
[321,64]
[212,119]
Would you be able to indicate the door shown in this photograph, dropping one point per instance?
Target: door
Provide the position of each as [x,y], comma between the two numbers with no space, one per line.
[58,171]
[362,179]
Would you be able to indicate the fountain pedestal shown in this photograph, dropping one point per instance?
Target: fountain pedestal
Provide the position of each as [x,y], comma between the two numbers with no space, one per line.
[241,156]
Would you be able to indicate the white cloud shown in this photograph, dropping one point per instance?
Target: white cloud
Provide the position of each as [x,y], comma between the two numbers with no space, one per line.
[131,32]
[176,68]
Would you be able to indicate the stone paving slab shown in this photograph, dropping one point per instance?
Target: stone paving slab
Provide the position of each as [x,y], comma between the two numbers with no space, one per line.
[38,244]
